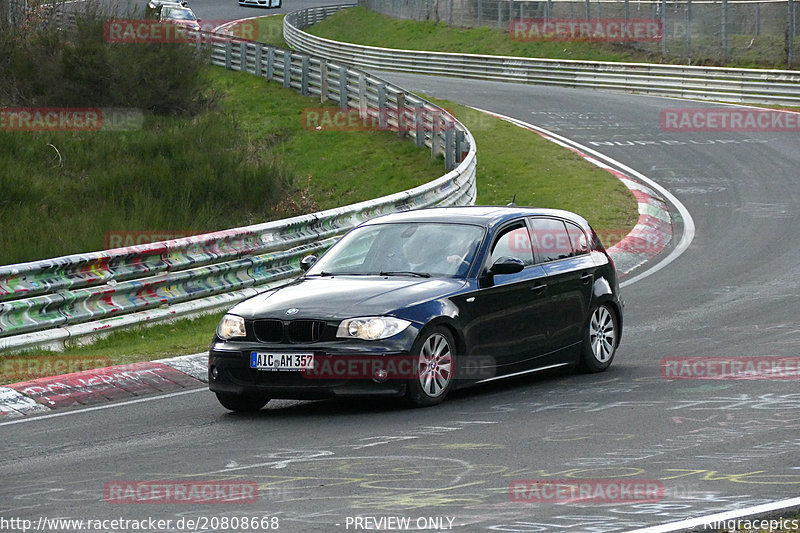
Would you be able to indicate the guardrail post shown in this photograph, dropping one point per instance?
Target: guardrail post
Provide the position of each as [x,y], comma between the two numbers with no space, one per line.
[382,118]
[287,68]
[304,77]
[401,115]
[362,96]
[343,100]
[435,134]
[228,54]
[480,13]
[243,56]
[449,147]
[419,125]
[588,10]
[627,10]
[460,146]
[323,81]
[270,62]
[259,70]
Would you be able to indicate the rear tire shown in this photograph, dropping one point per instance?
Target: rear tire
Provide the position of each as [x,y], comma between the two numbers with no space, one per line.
[242,403]
[436,367]
[600,339]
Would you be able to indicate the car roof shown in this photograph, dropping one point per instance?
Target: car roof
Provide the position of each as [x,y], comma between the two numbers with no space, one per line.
[488,216]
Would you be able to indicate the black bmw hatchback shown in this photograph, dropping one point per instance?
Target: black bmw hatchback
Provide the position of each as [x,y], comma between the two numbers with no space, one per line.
[418,303]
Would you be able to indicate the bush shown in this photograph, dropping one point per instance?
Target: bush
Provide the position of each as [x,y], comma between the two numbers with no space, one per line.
[43,65]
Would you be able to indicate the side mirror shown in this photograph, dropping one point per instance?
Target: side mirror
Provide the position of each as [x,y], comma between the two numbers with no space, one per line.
[307,262]
[507,265]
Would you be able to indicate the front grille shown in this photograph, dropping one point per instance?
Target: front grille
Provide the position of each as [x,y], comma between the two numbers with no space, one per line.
[304,330]
[268,330]
[295,332]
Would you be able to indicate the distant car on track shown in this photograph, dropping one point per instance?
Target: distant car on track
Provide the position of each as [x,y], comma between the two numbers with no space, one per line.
[260,3]
[418,303]
[154,6]
[177,14]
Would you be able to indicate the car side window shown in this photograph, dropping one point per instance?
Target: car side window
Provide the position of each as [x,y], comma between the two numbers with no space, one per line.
[580,244]
[551,239]
[513,241]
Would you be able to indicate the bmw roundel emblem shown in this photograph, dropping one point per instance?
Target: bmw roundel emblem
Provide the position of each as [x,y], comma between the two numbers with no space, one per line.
[292,311]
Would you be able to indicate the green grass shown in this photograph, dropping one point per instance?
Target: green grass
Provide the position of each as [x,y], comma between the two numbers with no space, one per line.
[226,168]
[511,161]
[345,167]
[361,26]
[270,30]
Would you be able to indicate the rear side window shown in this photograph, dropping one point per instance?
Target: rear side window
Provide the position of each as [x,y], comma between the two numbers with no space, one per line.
[513,241]
[551,239]
[577,237]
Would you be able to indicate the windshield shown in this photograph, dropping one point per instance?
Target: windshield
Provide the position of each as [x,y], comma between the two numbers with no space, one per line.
[177,13]
[426,249]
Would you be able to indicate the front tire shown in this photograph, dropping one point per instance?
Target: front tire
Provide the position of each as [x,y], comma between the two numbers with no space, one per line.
[242,403]
[600,339]
[436,367]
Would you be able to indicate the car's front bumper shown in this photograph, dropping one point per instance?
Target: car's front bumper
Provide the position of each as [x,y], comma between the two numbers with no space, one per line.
[229,369]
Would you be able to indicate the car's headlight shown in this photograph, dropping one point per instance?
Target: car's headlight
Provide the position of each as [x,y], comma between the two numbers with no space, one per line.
[231,326]
[371,328]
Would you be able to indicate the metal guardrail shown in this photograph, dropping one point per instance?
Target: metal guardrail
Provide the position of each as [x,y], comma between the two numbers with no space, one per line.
[693,30]
[756,86]
[49,301]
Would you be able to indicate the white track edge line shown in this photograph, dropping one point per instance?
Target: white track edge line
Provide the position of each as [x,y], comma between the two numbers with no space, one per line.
[104,406]
[688,222]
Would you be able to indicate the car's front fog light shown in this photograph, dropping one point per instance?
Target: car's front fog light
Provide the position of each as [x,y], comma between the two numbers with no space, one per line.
[230,327]
[371,328]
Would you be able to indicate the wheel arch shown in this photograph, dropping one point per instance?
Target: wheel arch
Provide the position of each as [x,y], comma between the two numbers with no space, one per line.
[447,322]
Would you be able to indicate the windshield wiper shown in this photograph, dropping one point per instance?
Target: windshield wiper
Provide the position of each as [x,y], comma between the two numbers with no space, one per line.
[406,273]
[332,274]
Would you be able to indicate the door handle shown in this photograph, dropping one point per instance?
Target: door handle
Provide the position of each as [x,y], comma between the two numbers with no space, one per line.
[586,277]
[539,288]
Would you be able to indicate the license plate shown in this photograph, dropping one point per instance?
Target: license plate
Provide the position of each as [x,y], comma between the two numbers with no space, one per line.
[281,361]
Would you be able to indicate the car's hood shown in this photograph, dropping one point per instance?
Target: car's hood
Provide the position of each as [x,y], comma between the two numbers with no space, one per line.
[342,297]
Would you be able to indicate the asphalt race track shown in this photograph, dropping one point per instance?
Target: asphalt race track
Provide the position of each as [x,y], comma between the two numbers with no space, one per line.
[712,445]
